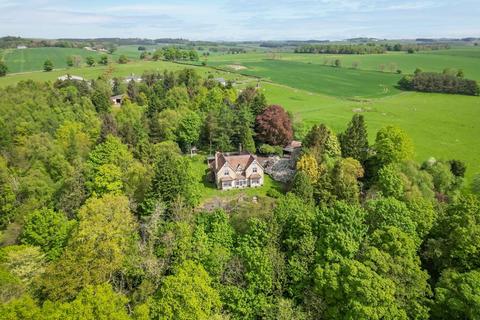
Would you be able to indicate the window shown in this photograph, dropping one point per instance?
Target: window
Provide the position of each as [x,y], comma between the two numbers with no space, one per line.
[225,173]
[254,170]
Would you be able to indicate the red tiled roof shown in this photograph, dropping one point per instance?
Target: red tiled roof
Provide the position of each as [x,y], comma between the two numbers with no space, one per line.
[235,161]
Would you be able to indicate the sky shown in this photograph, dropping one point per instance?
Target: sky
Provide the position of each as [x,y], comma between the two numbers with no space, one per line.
[241,19]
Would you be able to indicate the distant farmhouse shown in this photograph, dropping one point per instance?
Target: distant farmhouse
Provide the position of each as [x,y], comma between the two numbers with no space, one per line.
[132,77]
[222,81]
[70,77]
[236,170]
[22,47]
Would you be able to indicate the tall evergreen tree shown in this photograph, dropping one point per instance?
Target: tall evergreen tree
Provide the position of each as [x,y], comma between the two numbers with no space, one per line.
[354,141]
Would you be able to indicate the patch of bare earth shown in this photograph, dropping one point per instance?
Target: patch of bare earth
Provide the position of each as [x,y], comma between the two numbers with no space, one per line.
[236,67]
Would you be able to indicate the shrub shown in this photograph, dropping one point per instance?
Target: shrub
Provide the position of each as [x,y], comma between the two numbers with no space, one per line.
[267,149]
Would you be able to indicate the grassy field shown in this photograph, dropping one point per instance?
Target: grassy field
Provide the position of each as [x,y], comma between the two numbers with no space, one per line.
[340,82]
[441,126]
[32,59]
[465,58]
[134,67]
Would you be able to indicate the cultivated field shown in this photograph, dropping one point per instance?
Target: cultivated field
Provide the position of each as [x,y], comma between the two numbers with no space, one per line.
[32,59]
[465,58]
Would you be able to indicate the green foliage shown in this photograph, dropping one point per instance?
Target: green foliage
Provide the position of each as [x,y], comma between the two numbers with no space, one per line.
[352,290]
[98,248]
[3,69]
[392,253]
[457,295]
[24,262]
[444,180]
[48,230]
[342,229]
[187,294]
[302,187]
[188,131]
[123,59]
[390,182]
[392,145]
[48,66]
[354,141]
[298,238]
[386,212]
[267,149]
[103,60]
[90,61]
[454,242]
[7,194]
[322,142]
[172,180]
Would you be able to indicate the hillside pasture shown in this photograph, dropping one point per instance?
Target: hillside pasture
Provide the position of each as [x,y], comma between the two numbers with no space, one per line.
[440,125]
[32,59]
[119,70]
[338,82]
[465,58]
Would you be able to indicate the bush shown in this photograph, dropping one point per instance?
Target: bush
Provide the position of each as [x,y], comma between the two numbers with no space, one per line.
[267,149]
[48,66]
[274,193]
[3,69]
[122,59]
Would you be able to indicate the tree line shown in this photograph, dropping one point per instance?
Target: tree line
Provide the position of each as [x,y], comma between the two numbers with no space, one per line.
[99,212]
[340,48]
[439,82]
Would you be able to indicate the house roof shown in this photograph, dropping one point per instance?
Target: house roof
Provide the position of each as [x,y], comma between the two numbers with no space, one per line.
[70,77]
[120,96]
[293,145]
[235,161]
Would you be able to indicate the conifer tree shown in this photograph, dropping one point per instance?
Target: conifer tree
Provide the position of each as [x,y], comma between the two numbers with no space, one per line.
[354,141]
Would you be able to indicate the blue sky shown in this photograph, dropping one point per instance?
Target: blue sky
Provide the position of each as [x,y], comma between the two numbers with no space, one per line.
[241,19]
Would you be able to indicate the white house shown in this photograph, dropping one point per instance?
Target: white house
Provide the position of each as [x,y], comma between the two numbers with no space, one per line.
[237,170]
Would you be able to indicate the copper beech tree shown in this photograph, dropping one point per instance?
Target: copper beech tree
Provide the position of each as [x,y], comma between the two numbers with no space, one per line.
[274,127]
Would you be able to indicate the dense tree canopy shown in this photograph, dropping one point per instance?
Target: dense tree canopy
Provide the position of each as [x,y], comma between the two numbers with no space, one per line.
[106,213]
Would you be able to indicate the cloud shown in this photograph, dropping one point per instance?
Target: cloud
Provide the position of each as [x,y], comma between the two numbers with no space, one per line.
[240,19]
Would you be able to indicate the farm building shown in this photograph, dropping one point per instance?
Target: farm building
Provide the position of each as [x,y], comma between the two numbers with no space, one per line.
[117,100]
[222,81]
[132,77]
[293,147]
[22,47]
[70,77]
[236,170]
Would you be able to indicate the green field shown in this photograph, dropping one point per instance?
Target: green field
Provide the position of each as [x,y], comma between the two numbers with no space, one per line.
[465,58]
[135,67]
[32,59]
[340,82]
[441,126]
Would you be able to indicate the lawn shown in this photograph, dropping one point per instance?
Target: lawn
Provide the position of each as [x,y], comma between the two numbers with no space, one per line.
[441,126]
[208,190]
